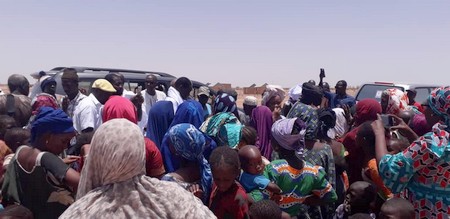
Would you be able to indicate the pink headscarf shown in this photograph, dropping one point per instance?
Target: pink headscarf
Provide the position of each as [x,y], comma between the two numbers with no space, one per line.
[119,107]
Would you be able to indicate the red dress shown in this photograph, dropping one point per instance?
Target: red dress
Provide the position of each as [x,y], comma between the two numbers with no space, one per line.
[230,204]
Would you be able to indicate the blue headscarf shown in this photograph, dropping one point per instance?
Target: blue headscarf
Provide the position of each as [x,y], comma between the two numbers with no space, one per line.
[160,117]
[190,111]
[190,143]
[50,120]
[225,103]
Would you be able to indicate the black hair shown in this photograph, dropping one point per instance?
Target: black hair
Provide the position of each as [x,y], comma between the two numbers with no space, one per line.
[327,121]
[249,135]
[343,82]
[265,209]
[17,81]
[224,155]
[311,94]
[4,121]
[110,77]
[365,131]
[360,216]
[81,139]
[183,82]
[14,135]
[403,206]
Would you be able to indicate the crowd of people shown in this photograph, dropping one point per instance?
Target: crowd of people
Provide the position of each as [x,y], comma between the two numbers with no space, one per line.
[115,153]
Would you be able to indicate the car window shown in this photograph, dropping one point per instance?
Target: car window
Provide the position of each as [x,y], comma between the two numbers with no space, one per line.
[86,85]
[422,93]
[373,91]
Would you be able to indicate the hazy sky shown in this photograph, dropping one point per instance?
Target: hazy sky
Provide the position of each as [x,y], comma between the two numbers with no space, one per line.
[239,42]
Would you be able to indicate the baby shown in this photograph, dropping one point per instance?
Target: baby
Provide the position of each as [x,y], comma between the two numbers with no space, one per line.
[397,208]
[359,198]
[252,165]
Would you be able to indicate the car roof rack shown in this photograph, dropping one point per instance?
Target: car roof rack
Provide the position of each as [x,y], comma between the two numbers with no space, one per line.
[93,70]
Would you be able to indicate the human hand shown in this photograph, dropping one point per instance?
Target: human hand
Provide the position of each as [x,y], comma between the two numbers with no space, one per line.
[276,114]
[377,126]
[137,100]
[347,113]
[70,159]
[196,190]
[403,128]
[276,198]
[65,103]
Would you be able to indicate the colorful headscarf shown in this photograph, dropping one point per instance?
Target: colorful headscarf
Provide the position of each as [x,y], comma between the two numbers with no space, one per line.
[43,100]
[282,133]
[50,120]
[119,107]
[190,111]
[47,80]
[225,103]
[224,128]
[397,101]
[190,143]
[307,114]
[272,91]
[160,117]
[262,121]
[367,110]
[439,102]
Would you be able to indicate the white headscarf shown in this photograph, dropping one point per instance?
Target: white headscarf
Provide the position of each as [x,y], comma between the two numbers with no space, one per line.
[271,91]
[341,126]
[175,97]
[113,182]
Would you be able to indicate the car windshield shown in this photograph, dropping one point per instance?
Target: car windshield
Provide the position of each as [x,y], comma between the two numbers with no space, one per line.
[374,91]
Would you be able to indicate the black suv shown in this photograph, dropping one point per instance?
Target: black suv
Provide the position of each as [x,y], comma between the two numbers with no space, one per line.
[133,78]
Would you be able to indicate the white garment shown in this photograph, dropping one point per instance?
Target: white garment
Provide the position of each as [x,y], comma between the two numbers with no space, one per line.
[149,100]
[128,94]
[88,114]
[174,96]
[74,103]
[341,126]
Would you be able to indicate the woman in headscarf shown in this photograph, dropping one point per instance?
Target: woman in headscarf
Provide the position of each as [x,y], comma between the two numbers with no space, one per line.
[366,110]
[224,128]
[47,98]
[262,121]
[188,144]
[273,98]
[225,103]
[113,182]
[393,101]
[422,169]
[160,117]
[36,177]
[301,182]
[120,107]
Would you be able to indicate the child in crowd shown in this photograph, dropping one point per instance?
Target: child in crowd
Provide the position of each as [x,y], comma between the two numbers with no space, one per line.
[366,140]
[266,209]
[228,198]
[397,208]
[248,136]
[252,176]
[360,196]
[14,138]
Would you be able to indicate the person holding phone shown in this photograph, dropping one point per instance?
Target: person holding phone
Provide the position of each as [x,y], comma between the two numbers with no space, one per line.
[423,169]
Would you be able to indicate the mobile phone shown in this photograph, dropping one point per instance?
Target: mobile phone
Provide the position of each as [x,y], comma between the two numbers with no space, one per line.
[387,120]
[322,73]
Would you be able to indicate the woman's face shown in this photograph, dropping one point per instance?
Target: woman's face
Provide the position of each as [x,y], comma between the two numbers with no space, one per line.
[56,143]
[274,102]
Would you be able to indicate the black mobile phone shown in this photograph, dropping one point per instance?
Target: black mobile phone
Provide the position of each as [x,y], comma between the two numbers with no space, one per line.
[388,121]
[322,73]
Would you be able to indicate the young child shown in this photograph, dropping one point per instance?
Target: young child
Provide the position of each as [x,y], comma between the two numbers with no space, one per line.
[397,208]
[248,136]
[14,138]
[359,198]
[228,198]
[252,176]
[266,209]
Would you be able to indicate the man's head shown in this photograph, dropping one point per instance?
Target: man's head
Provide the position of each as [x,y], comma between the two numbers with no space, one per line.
[117,80]
[312,82]
[326,86]
[6,122]
[411,93]
[69,81]
[397,208]
[311,94]
[203,95]
[250,103]
[48,85]
[341,87]
[150,84]
[18,84]
[184,86]
[359,197]
[102,90]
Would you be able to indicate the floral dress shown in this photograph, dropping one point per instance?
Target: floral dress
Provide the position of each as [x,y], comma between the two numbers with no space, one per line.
[423,172]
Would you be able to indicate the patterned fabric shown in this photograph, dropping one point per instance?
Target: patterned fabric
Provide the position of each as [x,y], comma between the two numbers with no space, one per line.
[230,204]
[370,174]
[189,143]
[262,121]
[224,128]
[225,103]
[43,100]
[439,102]
[297,185]
[397,101]
[423,169]
[309,115]
[116,163]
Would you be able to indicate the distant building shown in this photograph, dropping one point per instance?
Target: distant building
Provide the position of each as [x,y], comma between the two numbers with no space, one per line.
[220,86]
[255,90]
